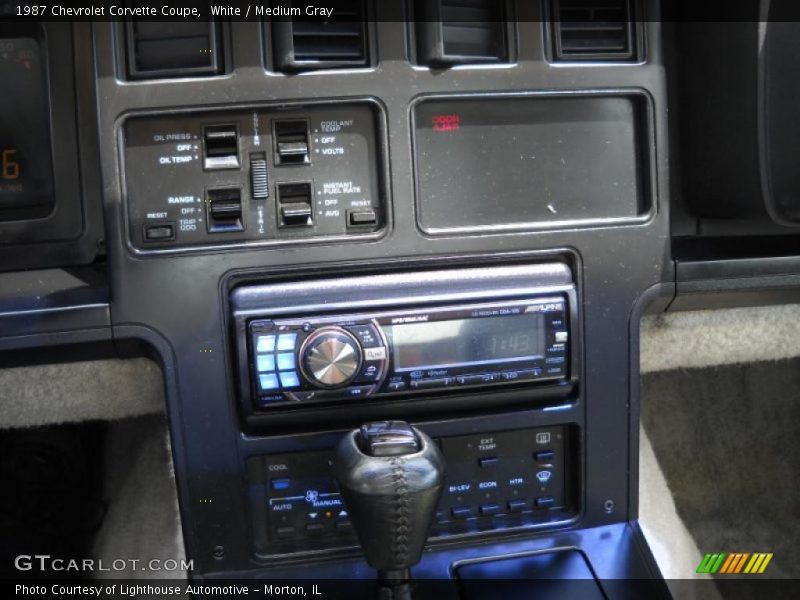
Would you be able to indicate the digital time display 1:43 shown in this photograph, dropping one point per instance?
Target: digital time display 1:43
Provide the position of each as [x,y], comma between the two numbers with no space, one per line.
[462,342]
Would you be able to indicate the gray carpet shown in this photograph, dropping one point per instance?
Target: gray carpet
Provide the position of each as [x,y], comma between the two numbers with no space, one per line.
[728,441]
[143,522]
[707,338]
[80,391]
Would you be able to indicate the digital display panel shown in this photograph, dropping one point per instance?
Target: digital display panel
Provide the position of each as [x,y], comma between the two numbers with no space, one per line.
[528,162]
[466,342]
[26,172]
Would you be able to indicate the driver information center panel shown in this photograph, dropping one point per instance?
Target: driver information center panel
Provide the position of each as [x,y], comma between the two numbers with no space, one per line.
[254,176]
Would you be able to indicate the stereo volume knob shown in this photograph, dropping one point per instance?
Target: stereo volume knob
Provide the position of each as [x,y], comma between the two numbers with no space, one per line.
[330,357]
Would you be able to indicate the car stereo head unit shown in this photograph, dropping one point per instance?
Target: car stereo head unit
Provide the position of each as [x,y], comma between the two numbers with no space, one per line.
[415,350]
[315,359]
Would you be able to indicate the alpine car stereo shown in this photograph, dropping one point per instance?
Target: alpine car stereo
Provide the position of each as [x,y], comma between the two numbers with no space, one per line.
[415,349]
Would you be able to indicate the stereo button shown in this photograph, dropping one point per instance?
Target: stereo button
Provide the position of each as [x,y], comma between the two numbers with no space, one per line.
[287,341]
[357,391]
[370,371]
[265,362]
[521,375]
[367,335]
[268,382]
[476,379]
[286,361]
[377,353]
[265,343]
[289,379]
[425,384]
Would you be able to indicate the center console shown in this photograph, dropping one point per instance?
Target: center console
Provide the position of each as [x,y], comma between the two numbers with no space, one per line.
[425,342]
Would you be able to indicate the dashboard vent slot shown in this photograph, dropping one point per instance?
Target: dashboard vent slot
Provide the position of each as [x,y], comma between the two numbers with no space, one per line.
[173,49]
[306,43]
[593,29]
[460,31]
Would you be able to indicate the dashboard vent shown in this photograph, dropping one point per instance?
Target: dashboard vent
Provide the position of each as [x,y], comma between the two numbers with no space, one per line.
[460,31]
[306,43]
[173,49]
[593,29]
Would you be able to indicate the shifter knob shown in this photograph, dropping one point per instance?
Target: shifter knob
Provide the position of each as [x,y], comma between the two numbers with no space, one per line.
[391,476]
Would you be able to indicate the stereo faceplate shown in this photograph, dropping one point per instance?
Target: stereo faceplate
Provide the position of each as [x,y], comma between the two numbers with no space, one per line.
[496,335]
[333,358]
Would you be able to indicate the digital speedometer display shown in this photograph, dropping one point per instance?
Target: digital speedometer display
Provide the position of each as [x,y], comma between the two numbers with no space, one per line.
[26,170]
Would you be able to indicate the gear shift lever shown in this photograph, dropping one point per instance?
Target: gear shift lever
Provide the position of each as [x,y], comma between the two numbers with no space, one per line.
[391,476]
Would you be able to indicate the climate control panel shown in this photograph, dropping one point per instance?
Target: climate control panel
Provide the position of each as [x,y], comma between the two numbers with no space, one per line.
[500,480]
[260,175]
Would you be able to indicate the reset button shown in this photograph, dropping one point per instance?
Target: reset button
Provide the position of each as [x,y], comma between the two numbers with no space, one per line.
[159,233]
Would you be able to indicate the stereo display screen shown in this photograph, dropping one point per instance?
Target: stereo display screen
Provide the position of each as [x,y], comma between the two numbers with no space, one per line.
[467,342]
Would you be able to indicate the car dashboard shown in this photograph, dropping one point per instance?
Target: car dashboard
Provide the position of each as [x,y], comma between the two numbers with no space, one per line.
[450,213]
